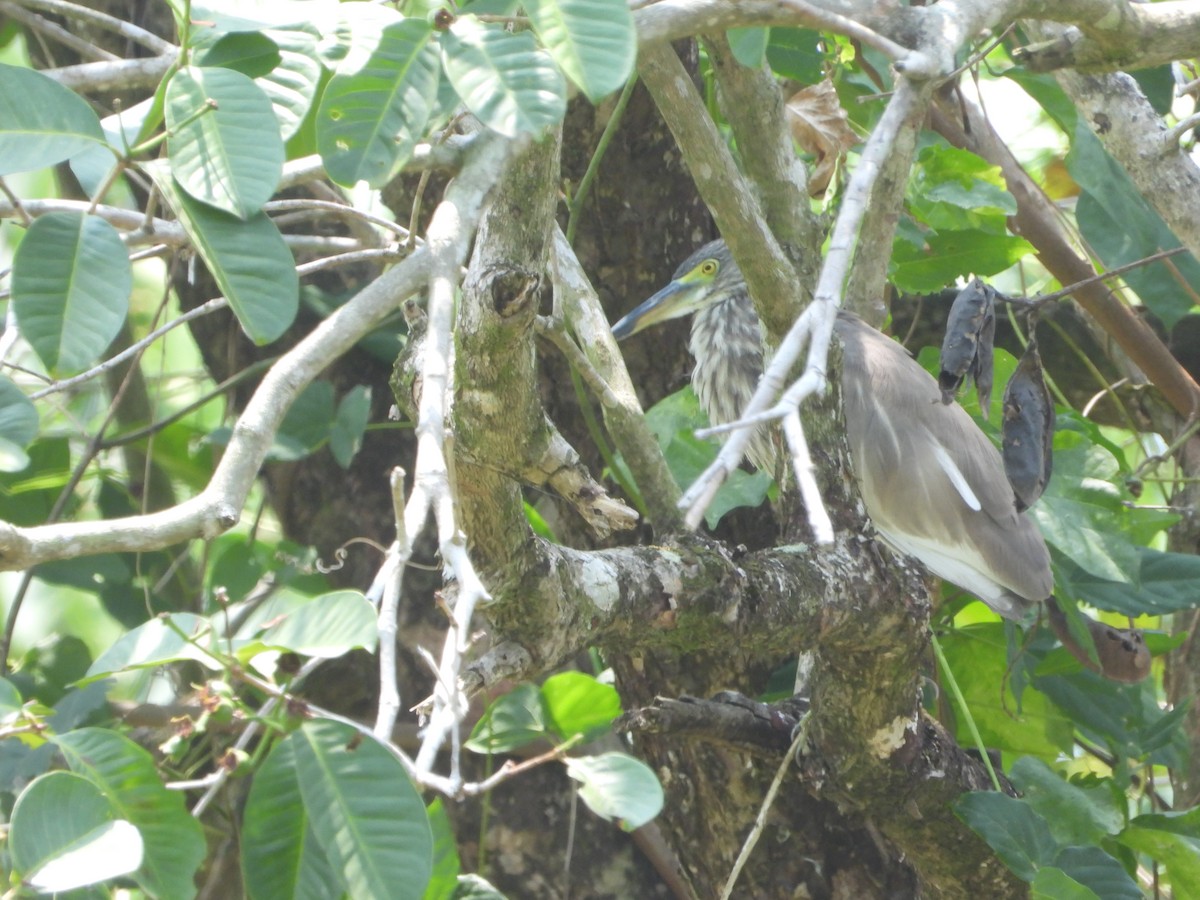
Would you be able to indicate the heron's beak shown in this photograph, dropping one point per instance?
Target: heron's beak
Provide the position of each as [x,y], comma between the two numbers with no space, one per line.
[675,300]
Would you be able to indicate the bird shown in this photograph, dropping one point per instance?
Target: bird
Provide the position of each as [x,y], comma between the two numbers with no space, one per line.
[934,486]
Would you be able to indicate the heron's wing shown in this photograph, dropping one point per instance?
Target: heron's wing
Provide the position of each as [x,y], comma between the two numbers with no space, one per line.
[933,484]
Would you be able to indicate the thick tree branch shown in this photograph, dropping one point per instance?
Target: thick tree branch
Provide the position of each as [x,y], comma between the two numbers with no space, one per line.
[1113,34]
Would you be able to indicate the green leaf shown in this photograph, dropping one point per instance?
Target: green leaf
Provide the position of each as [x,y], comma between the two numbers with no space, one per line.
[1075,815]
[952,255]
[616,786]
[350,424]
[1162,583]
[41,122]
[1095,869]
[475,887]
[749,45]
[156,643]
[446,864]
[292,85]
[174,841]
[63,835]
[224,157]
[1121,227]
[250,52]
[796,53]
[10,698]
[1173,839]
[329,626]
[70,283]
[955,190]
[579,704]
[1019,835]
[364,810]
[1083,513]
[503,78]
[281,856]
[511,721]
[249,260]
[977,655]
[593,41]
[370,119]
[18,418]
[673,421]
[1055,884]
[306,426]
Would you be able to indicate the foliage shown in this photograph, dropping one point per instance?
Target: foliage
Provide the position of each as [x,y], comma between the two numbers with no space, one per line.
[334,808]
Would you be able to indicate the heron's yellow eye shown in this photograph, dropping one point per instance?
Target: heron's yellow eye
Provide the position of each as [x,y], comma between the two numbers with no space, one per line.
[709,267]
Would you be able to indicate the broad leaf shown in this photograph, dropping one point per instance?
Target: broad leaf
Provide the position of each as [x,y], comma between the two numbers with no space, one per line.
[350,424]
[1121,227]
[64,835]
[172,638]
[618,787]
[1075,815]
[579,704]
[41,122]
[18,422]
[511,721]
[329,626]
[1095,869]
[280,853]
[593,41]
[71,284]
[292,85]
[952,255]
[249,260]
[223,155]
[306,426]
[174,841]
[1055,884]
[1174,840]
[1019,835]
[503,78]
[370,119]
[364,810]
[250,52]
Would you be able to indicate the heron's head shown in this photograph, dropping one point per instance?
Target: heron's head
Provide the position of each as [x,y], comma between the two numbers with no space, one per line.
[704,278]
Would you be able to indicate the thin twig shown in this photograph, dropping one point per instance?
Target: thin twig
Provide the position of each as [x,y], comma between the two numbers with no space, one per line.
[760,821]
[203,309]
[391,577]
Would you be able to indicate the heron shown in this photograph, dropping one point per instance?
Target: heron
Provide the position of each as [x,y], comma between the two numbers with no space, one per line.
[933,484]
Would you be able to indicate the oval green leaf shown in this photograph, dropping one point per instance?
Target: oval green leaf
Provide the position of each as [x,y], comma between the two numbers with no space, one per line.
[252,53]
[249,260]
[579,704]
[54,815]
[510,721]
[71,284]
[41,122]
[370,119]
[156,643]
[365,812]
[616,786]
[504,79]
[292,85]
[332,624]
[223,155]
[280,853]
[350,424]
[18,415]
[174,841]
[593,41]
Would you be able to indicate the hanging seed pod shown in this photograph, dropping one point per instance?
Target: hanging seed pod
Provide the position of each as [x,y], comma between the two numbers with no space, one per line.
[1121,653]
[967,347]
[1028,429]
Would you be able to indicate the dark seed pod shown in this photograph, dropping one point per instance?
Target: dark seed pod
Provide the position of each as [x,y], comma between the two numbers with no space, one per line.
[1028,430]
[967,347]
[1121,653]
